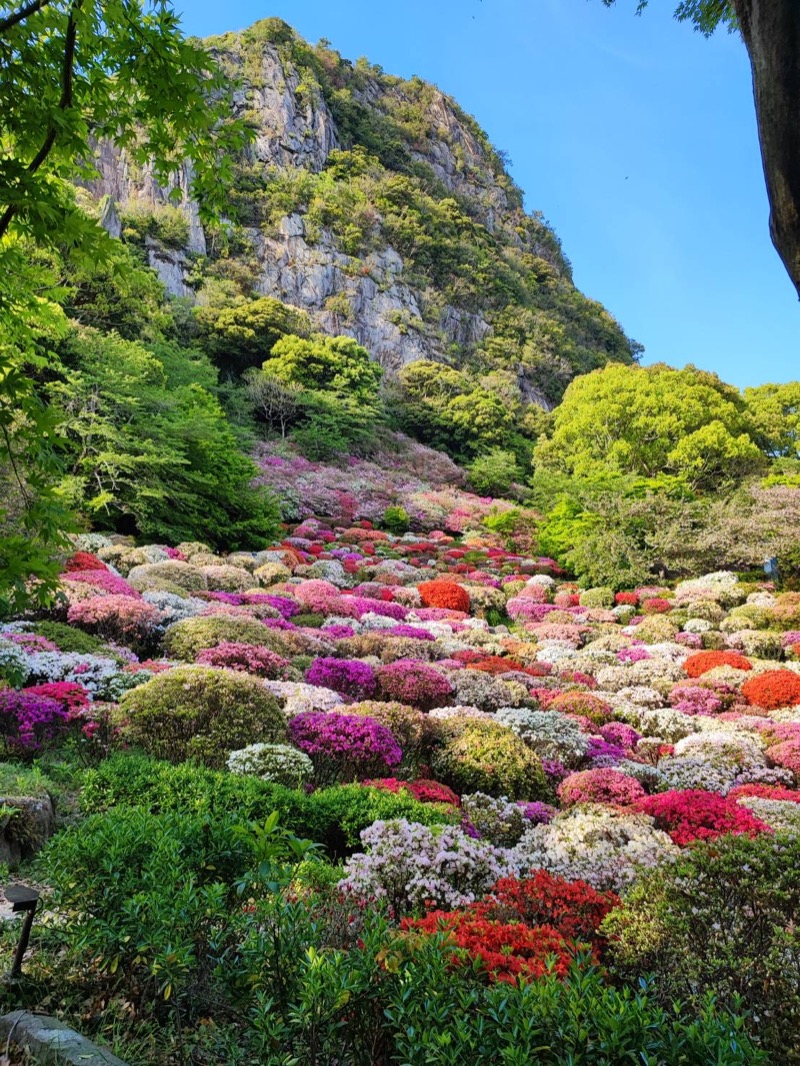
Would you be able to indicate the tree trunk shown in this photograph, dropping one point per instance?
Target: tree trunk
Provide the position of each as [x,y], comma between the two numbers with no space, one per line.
[771,32]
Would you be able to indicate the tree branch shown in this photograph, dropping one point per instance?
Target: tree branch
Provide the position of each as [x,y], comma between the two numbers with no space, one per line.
[22,14]
[67,70]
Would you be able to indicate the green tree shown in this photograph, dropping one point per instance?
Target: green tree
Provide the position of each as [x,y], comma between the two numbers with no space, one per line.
[775,411]
[242,335]
[770,30]
[326,364]
[649,421]
[72,73]
[149,450]
[494,473]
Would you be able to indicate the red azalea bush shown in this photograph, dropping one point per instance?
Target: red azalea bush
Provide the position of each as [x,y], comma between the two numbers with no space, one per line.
[83,561]
[507,951]
[250,658]
[444,594]
[69,694]
[771,792]
[415,683]
[700,663]
[773,689]
[693,814]
[600,786]
[573,908]
[584,703]
[656,605]
[495,664]
[629,599]
[423,790]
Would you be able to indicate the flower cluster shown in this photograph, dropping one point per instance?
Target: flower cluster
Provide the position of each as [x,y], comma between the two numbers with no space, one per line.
[344,747]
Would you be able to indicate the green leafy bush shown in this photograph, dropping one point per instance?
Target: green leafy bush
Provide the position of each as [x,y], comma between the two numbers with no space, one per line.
[333,817]
[722,920]
[484,756]
[68,639]
[396,520]
[494,473]
[202,713]
[186,639]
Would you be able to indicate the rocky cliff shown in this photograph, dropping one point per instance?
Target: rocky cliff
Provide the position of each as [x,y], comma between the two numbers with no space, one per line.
[380,208]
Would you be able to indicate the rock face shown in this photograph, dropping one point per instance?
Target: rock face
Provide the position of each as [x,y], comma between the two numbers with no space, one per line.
[22,834]
[308,109]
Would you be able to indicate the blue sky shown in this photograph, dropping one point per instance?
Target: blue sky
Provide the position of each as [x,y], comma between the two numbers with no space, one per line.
[635,137]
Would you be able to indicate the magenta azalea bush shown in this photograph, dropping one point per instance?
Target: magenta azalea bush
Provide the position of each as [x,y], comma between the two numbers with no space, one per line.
[415,683]
[251,658]
[28,720]
[344,747]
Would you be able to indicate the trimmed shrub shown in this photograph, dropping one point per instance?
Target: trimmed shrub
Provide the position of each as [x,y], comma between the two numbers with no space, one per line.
[344,747]
[349,677]
[773,689]
[482,756]
[198,712]
[703,661]
[249,658]
[444,594]
[415,683]
[279,763]
[186,639]
[600,786]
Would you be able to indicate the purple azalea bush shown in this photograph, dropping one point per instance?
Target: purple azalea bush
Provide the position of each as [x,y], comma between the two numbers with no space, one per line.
[344,747]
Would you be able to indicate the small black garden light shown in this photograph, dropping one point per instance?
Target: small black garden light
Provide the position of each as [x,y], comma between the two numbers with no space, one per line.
[23,900]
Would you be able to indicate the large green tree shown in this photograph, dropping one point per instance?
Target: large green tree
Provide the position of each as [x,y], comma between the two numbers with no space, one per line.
[74,73]
[770,30]
[649,422]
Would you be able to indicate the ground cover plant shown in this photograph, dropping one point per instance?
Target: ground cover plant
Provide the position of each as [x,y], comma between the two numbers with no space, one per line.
[301,810]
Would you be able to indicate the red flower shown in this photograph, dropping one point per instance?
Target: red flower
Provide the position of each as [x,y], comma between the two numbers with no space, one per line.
[703,661]
[444,594]
[83,561]
[775,688]
[697,815]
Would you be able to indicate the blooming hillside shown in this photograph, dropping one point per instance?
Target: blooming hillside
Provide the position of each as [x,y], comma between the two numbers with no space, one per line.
[545,777]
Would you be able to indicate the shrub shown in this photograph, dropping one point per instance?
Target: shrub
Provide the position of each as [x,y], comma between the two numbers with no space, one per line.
[69,694]
[280,763]
[703,661]
[249,658]
[198,712]
[410,865]
[493,474]
[28,720]
[550,734]
[606,847]
[582,703]
[344,747]
[597,597]
[185,640]
[348,677]
[396,520]
[506,950]
[441,1017]
[494,819]
[333,817]
[68,639]
[414,683]
[786,754]
[121,618]
[723,920]
[444,594]
[407,725]
[600,786]
[173,571]
[697,815]
[483,756]
[773,689]
[574,908]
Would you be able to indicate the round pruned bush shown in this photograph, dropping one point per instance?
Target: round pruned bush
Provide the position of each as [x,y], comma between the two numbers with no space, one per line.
[279,763]
[482,756]
[349,677]
[415,683]
[202,713]
[249,658]
[187,639]
[344,747]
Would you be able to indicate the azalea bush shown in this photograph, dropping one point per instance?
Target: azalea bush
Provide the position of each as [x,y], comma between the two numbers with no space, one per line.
[344,747]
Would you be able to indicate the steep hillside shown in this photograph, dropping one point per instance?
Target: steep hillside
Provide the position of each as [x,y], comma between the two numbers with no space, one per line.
[382,210]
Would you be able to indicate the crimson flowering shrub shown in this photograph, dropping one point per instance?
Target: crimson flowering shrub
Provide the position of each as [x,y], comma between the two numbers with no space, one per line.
[444,594]
[83,561]
[773,792]
[703,661]
[29,720]
[573,908]
[656,605]
[69,694]
[694,814]
[413,682]
[344,747]
[251,658]
[422,790]
[600,786]
[348,677]
[773,689]
[506,950]
[629,599]
[496,664]
[116,618]
[583,703]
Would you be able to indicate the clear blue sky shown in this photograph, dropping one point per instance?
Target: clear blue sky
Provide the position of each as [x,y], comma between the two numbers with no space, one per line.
[635,137]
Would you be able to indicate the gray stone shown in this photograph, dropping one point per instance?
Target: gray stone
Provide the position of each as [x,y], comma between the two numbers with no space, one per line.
[38,810]
[50,1041]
